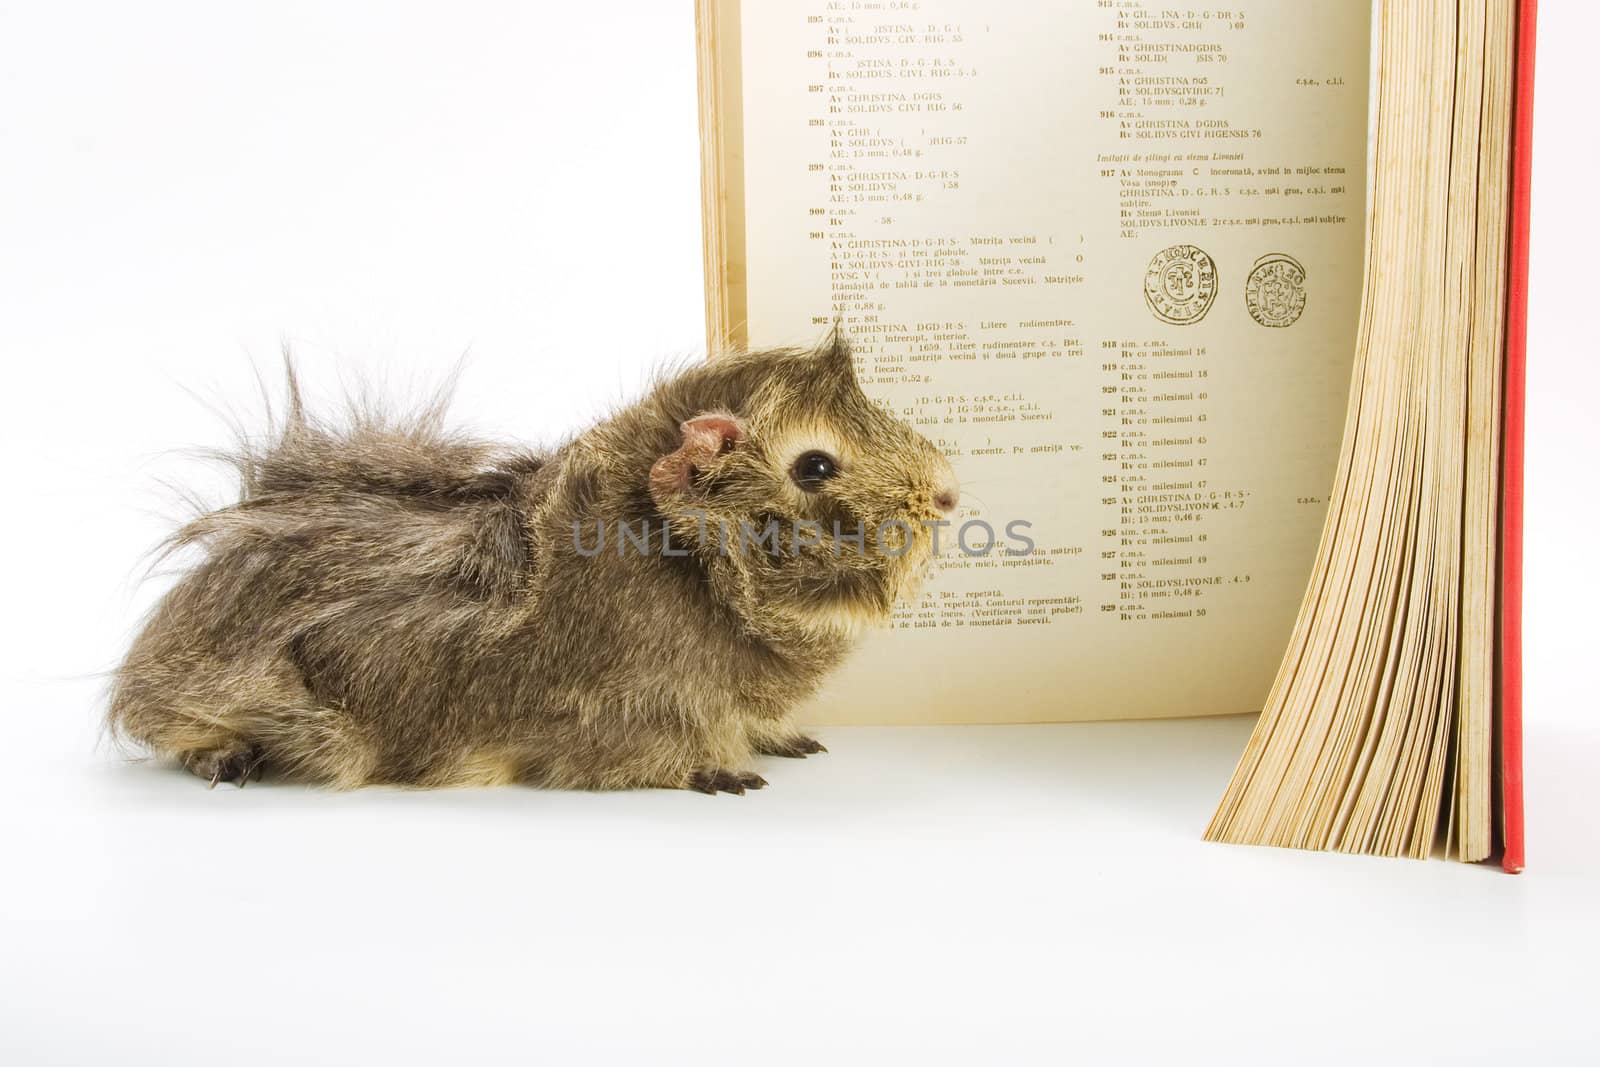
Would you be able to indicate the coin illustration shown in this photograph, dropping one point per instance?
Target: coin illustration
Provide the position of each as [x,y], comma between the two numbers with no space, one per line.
[1180,284]
[1275,291]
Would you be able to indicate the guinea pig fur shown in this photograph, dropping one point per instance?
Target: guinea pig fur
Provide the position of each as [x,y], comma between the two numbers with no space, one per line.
[645,605]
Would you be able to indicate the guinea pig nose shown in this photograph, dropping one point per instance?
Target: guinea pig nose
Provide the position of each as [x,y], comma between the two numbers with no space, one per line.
[947,498]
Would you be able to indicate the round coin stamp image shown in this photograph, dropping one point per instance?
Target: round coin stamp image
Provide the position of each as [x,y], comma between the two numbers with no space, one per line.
[1275,291]
[1180,284]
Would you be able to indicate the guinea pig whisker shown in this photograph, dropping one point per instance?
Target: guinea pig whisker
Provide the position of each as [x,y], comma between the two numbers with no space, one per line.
[967,494]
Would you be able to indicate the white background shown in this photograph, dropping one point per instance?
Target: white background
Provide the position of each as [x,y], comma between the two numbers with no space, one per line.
[389,186]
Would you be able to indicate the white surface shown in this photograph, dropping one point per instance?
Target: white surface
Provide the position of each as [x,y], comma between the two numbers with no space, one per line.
[389,185]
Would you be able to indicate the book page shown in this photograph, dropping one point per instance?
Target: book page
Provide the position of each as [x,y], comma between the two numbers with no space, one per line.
[1108,256]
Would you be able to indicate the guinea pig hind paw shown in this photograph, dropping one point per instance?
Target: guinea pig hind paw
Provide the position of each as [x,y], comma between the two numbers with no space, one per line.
[236,765]
[713,780]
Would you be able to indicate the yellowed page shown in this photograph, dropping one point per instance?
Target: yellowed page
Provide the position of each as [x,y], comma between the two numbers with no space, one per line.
[1110,258]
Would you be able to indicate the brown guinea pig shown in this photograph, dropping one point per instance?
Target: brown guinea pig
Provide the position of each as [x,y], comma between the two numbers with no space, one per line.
[643,606]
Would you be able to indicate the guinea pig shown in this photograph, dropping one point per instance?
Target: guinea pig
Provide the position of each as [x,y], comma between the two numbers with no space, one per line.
[643,606]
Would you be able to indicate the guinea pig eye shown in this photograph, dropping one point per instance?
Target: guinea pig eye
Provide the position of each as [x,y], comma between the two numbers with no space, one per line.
[812,469]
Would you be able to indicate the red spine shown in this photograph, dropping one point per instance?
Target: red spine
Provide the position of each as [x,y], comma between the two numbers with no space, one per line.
[1512,434]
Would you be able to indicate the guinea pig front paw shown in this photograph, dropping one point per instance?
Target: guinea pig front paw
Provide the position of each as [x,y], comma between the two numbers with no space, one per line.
[712,780]
[797,747]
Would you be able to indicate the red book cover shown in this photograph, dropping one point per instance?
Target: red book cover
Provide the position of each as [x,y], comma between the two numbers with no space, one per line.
[1512,436]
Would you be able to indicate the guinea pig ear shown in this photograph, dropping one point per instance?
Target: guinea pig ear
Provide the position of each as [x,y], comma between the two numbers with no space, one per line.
[834,352]
[705,437]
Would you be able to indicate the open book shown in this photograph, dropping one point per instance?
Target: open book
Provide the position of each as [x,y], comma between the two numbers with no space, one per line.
[1215,301]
